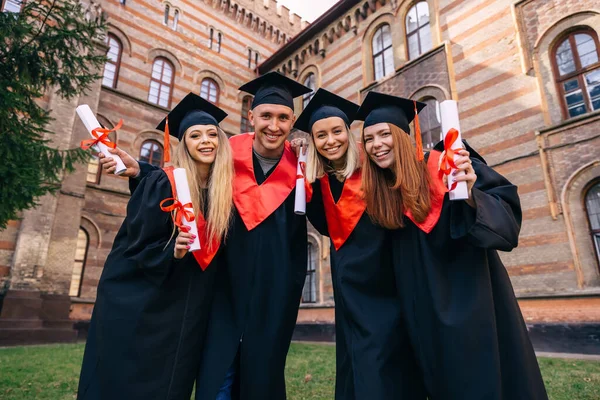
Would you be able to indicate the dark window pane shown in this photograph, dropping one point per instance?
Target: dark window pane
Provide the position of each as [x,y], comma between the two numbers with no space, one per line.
[579,110]
[574,98]
[571,85]
[592,203]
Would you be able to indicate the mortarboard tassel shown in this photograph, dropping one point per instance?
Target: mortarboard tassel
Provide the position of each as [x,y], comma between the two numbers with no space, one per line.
[418,139]
[167,144]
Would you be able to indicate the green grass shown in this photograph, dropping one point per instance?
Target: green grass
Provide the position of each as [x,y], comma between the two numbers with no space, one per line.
[52,373]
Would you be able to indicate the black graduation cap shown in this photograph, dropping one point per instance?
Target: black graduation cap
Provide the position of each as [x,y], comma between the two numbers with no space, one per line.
[274,88]
[192,110]
[379,107]
[323,105]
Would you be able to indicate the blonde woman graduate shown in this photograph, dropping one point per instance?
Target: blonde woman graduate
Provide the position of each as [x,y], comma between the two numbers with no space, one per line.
[149,321]
[371,344]
[464,323]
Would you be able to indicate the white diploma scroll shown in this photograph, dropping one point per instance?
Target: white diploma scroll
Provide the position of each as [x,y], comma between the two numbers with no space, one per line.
[184,197]
[300,205]
[89,120]
[449,116]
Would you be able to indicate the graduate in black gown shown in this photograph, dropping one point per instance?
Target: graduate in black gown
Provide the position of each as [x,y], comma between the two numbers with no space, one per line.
[463,319]
[371,344]
[258,292]
[149,320]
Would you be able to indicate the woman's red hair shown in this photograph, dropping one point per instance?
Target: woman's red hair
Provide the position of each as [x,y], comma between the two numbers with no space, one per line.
[389,193]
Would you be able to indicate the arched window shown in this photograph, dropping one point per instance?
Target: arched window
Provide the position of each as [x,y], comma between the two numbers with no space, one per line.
[152,153]
[209,90]
[592,206]
[211,34]
[175,20]
[418,30]
[577,71]
[166,18]
[246,104]
[161,83]
[383,53]
[219,39]
[111,68]
[310,82]
[83,242]
[429,119]
[309,293]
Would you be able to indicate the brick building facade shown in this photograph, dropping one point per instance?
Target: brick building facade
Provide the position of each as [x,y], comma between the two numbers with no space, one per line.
[526,75]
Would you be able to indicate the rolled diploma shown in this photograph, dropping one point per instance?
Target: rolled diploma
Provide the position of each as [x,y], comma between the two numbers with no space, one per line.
[449,116]
[300,205]
[89,120]
[184,197]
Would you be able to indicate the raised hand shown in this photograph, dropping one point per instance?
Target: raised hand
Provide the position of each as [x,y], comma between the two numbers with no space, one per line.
[109,165]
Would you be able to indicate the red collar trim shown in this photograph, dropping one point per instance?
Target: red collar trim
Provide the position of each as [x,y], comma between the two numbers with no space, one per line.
[343,216]
[204,256]
[254,202]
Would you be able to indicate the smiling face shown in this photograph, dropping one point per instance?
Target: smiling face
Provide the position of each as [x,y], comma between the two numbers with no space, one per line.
[379,145]
[330,136]
[272,125]
[202,142]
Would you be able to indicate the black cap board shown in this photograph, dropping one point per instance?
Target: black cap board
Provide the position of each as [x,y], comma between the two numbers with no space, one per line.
[379,107]
[192,110]
[274,88]
[325,104]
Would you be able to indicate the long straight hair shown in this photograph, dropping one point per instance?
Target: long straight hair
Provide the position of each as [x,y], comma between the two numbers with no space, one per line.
[389,193]
[317,165]
[220,186]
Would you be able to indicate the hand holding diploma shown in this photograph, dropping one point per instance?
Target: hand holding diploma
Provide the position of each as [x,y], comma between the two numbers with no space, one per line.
[100,136]
[452,146]
[187,214]
[300,204]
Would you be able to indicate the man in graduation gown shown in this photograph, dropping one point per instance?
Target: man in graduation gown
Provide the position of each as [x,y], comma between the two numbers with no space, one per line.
[258,290]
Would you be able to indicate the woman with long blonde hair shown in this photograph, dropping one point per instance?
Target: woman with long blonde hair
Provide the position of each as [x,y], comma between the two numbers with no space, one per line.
[149,321]
[369,342]
[458,306]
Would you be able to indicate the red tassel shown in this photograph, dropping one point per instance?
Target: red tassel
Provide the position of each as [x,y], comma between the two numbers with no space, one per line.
[418,139]
[167,144]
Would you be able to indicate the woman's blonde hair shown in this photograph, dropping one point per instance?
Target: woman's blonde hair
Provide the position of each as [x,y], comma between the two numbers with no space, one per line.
[220,186]
[404,186]
[317,165]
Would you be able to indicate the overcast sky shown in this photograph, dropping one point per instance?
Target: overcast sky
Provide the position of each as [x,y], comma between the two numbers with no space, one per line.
[308,9]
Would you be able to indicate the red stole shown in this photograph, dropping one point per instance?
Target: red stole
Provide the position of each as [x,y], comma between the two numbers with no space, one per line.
[204,256]
[438,191]
[255,202]
[343,216]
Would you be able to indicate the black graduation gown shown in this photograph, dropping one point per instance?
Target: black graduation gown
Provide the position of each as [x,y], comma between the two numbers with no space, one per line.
[372,346]
[256,299]
[464,322]
[150,315]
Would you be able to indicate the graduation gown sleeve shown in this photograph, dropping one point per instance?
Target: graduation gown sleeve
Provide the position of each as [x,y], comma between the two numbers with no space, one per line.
[145,169]
[149,230]
[495,221]
[315,212]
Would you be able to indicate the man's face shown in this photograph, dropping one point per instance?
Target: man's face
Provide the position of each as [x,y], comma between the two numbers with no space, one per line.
[272,125]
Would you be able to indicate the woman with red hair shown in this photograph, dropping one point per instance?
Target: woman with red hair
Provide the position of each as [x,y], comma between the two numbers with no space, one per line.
[463,320]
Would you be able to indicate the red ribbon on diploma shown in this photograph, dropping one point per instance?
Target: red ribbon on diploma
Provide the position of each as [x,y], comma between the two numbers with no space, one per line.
[303,169]
[101,136]
[447,160]
[180,212]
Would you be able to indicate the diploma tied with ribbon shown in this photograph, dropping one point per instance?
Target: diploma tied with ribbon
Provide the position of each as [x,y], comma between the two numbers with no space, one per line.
[452,142]
[183,207]
[100,136]
[300,204]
